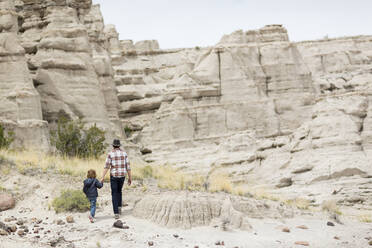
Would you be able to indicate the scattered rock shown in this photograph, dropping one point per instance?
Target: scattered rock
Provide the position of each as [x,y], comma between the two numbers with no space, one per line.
[125,227]
[10,219]
[286,229]
[370,242]
[302,227]
[330,223]
[54,241]
[3,232]
[70,219]
[4,227]
[196,246]
[175,235]
[302,170]
[304,243]
[336,237]
[118,224]
[13,228]
[21,232]
[6,201]
[36,220]
[145,150]
[60,222]
[284,182]
[20,222]
[220,243]
[150,243]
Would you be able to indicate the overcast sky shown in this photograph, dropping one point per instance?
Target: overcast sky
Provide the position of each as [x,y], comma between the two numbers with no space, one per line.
[190,23]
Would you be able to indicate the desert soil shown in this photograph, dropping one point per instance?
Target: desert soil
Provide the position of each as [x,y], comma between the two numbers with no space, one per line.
[34,194]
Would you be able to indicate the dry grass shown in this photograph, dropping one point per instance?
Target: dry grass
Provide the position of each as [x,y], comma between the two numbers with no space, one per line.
[220,182]
[299,203]
[366,218]
[29,160]
[331,206]
[171,178]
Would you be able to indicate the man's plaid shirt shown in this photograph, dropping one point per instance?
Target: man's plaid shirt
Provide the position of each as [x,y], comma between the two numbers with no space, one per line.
[118,163]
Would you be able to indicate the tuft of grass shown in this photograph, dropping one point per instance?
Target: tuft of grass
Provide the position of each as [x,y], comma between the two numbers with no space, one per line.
[366,218]
[331,206]
[2,189]
[220,182]
[142,172]
[71,200]
[171,178]
[299,203]
[5,170]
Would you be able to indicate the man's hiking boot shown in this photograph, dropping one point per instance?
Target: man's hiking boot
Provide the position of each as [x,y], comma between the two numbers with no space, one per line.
[116,216]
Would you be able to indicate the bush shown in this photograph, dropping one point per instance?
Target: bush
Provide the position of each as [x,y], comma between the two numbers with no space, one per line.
[71,200]
[128,131]
[71,139]
[6,138]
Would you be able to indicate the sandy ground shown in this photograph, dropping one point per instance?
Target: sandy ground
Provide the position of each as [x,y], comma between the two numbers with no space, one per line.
[35,193]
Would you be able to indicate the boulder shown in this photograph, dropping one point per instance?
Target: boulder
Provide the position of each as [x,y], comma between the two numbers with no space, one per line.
[6,201]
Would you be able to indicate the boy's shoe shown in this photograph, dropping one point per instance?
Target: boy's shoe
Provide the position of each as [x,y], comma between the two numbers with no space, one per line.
[119,210]
[116,216]
[91,219]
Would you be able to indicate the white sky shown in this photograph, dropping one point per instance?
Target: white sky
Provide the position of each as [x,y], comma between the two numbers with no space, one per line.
[190,23]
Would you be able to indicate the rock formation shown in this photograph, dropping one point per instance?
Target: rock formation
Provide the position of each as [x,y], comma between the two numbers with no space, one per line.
[61,52]
[289,113]
[20,108]
[197,209]
[256,105]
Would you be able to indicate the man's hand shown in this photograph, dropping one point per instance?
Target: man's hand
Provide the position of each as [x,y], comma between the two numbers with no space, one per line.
[129,181]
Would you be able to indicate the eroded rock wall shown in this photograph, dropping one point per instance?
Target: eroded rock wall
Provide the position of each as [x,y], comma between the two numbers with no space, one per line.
[64,53]
[20,108]
[256,106]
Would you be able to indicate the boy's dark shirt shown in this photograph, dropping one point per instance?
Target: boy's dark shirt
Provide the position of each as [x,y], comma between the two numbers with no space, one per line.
[90,187]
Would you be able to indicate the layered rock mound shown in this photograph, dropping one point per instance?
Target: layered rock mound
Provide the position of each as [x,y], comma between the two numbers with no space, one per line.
[188,210]
[59,51]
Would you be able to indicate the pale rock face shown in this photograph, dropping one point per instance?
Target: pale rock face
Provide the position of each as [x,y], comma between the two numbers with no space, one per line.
[68,58]
[292,114]
[186,210]
[269,33]
[20,108]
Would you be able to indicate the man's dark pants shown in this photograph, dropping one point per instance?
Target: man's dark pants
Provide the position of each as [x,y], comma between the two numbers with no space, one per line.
[116,192]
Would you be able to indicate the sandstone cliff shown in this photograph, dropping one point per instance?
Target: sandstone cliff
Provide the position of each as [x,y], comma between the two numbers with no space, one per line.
[63,57]
[257,106]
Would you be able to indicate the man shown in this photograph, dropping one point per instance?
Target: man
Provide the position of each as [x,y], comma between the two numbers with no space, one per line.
[118,164]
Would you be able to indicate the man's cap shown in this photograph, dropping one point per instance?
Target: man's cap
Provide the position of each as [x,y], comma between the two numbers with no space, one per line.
[116,142]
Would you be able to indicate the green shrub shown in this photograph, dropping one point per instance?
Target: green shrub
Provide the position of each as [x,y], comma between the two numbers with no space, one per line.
[128,131]
[71,200]
[93,142]
[71,139]
[6,138]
